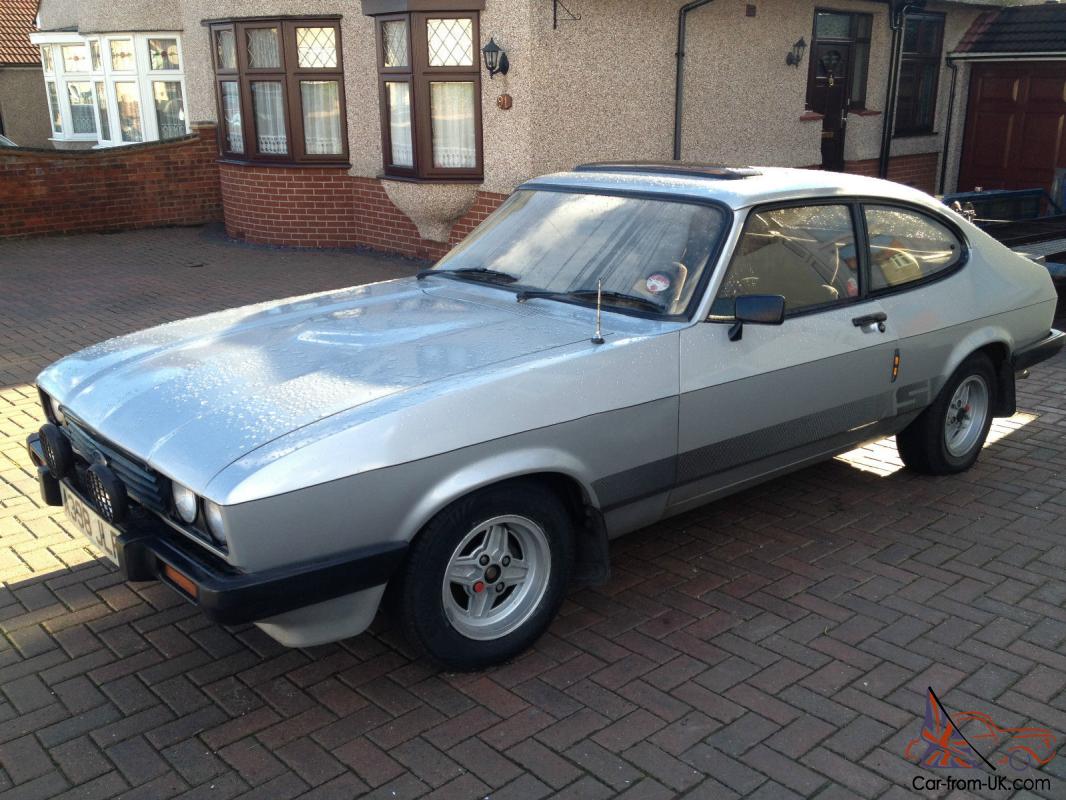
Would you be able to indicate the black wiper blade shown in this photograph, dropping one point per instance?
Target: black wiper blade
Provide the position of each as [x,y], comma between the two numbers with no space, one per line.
[609,298]
[474,273]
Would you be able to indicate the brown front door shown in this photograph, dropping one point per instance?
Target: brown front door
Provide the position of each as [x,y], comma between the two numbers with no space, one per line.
[828,95]
[1015,126]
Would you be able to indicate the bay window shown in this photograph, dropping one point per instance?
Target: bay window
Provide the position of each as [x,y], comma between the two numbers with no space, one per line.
[114,88]
[280,90]
[430,89]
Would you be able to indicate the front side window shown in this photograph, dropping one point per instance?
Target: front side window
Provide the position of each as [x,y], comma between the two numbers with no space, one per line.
[47,59]
[163,54]
[75,58]
[919,74]
[430,87]
[122,58]
[82,111]
[280,90]
[128,101]
[102,107]
[53,108]
[806,254]
[651,255]
[907,246]
[169,109]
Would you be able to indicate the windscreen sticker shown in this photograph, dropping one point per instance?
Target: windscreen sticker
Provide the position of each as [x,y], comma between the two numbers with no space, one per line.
[657,283]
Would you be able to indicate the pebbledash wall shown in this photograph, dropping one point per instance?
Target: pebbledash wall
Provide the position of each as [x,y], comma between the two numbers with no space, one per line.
[596,88]
[141,186]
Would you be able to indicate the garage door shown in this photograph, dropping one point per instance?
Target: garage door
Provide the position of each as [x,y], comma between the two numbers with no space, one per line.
[1015,135]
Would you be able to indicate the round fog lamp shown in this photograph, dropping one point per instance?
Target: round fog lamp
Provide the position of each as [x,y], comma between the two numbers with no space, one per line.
[185,503]
[215,524]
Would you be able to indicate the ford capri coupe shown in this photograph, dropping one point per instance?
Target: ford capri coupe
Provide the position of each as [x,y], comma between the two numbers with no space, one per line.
[613,346]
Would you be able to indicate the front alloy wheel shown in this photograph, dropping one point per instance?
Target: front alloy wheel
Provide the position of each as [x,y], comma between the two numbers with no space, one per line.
[500,560]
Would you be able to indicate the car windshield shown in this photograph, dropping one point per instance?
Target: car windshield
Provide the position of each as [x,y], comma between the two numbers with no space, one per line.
[650,254]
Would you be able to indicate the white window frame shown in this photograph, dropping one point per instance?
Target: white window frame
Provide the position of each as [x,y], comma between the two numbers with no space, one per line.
[141,74]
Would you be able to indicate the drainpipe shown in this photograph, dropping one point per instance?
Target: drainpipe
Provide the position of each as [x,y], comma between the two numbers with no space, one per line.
[679,86]
[897,18]
[950,63]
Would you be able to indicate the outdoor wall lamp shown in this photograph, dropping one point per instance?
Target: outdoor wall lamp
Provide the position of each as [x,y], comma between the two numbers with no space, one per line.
[795,57]
[495,59]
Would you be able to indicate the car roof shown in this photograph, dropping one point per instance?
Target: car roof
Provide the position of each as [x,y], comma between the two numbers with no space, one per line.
[737,187]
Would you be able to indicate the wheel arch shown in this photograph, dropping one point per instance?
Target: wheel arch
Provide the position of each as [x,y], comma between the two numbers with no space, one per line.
[997,344]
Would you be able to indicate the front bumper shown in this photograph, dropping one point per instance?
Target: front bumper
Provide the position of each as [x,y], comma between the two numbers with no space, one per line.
[1046,348]
[148,549]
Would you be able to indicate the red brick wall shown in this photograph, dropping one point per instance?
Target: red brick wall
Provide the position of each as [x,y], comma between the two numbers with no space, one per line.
[919,171]
[141,186]
[326,207]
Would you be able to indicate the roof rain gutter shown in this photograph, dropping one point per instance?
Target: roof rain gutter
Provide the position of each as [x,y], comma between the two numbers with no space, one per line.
[897,18]
[679,86]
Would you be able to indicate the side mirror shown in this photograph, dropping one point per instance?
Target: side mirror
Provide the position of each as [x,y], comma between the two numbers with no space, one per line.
[758,309]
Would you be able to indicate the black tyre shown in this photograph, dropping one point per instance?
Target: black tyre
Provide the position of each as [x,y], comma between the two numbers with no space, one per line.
[487,575]
[947,437]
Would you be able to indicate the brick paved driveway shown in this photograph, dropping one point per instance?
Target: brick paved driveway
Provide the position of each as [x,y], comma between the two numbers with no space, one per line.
[775,644]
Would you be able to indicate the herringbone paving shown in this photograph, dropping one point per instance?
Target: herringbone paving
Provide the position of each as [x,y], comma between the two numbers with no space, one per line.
[776,644]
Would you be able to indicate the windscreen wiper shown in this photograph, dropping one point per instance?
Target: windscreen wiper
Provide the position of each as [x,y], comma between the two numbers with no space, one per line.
[609,298]
[470,273]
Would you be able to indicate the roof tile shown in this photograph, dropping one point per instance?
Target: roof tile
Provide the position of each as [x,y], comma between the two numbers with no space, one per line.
[1022,29]
[17,19]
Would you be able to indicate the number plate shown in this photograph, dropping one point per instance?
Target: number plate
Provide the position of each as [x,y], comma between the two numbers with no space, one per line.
[91,525]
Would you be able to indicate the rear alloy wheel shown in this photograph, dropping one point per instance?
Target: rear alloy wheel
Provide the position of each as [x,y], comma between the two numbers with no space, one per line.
[487,575]
[947,437]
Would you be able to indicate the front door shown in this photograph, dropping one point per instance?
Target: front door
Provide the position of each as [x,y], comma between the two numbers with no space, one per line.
[782,396]
[828,95]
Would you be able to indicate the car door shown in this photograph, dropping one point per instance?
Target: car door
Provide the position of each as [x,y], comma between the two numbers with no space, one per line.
[779,396]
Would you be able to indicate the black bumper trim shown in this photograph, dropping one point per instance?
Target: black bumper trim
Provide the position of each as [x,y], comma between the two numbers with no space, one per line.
[1046,348]
[226,595]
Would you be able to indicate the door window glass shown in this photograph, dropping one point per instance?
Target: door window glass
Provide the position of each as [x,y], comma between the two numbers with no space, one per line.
[806,254]
[907,246]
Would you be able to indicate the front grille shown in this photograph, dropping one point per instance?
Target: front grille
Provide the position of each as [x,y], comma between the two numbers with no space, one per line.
[143,484]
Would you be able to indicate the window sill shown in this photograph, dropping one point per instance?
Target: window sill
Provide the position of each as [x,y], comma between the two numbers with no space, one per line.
[247,162]
[811,116]
[384,176]
[865,112]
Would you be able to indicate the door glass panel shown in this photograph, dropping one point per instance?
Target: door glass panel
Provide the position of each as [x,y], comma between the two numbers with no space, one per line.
[169,108]
[121,55]
[53,107]
[163,54]
[398,97]
[316,48]
[907,246]
[231,117]
[805,254]
[263,48]
[128,101]
[322,117]
[268,107]
[451,42]
[75,58]
[860,65]
[828,25]
[102,107]
[226,49]
[82,110]
[451,105]
[394,42]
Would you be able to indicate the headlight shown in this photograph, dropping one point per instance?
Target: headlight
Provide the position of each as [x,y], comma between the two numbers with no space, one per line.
[57,415]
[215,525]
[185,503]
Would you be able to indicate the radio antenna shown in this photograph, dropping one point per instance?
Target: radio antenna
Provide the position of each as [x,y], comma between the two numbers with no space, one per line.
[597,338]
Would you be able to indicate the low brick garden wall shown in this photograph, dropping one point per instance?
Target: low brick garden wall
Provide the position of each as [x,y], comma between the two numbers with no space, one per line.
[139,186]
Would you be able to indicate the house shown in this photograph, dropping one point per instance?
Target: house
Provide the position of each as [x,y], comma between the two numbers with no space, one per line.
[23,117]
[381,124]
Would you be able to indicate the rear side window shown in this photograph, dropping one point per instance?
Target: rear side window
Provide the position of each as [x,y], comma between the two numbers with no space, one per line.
[907,246]
[806,254]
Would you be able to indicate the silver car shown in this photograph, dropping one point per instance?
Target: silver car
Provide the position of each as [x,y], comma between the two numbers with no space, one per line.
[615,345]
